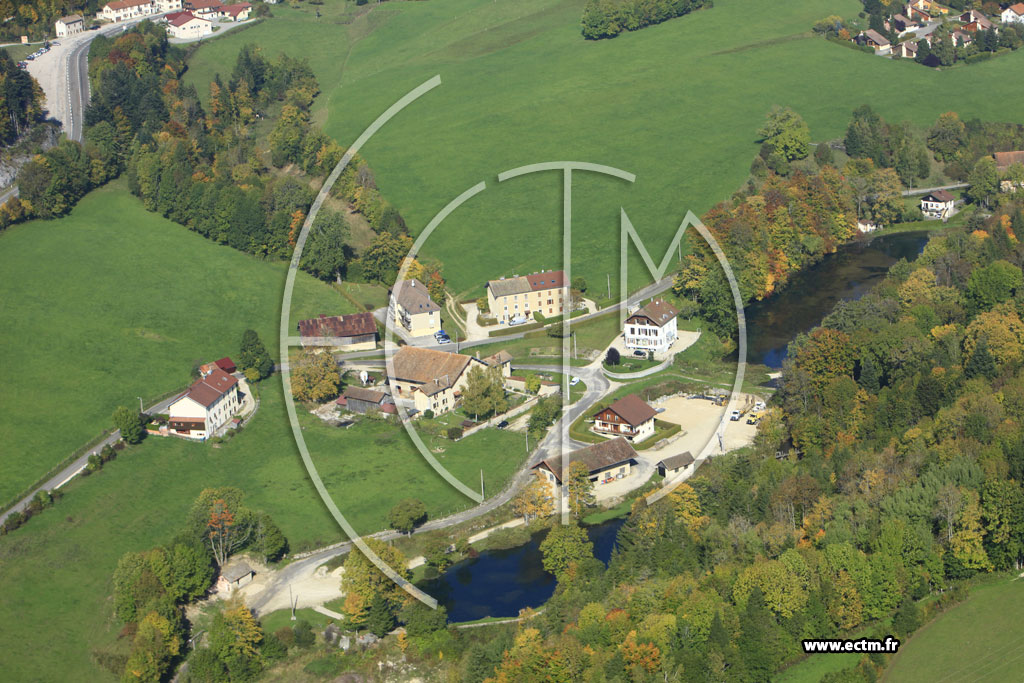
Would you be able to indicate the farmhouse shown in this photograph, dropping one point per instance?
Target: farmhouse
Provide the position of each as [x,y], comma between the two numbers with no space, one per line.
[902,23]
[432,379]
[413,309]
[360,400]
[1014,14]
[518,298]
[206,406]
[119,10]
[628,417]
[187,26]
[930,8]
[652,328]
[353,332]
[938,204]
[961,39]
[673,465]
[69,25]
[502,360]
[606,462]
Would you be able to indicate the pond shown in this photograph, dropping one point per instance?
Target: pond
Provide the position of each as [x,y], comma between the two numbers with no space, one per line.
[499,583]
[811,295]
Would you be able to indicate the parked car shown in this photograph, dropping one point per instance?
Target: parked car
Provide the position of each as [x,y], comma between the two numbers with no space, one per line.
[54,44]
[640,354]
[443,340]
[734,416]
[518,320]
[503,424]
[573,381]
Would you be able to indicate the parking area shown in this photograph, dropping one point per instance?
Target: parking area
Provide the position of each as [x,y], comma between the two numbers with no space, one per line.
[699,419]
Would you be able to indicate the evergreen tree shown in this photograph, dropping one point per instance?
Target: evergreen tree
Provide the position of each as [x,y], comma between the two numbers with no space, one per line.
[981,363]
[755,640]
[379,619]
[868,379]
[253,355]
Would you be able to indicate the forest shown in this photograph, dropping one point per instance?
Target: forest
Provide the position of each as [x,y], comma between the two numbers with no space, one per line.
[34,18]
[609,18]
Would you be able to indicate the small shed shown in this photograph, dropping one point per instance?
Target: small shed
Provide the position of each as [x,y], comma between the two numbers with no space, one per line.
[227,365]
[235,576]
[673,465]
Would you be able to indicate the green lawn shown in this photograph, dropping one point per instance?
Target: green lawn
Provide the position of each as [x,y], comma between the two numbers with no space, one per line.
[678,104]
[978,640]
[111,303]
[55,571]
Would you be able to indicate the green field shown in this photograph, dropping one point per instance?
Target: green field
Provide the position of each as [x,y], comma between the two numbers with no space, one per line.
[677,103]
[978,640]
[111,303]
[55,571]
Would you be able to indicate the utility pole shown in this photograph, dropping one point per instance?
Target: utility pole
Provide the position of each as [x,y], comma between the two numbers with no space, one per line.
[575,349]
[482,496]
[527,440]
[291,601]
[141,409]
[609,285]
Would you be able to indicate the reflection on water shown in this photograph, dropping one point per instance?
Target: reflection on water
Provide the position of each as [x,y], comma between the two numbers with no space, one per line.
[499,583]
[848,274]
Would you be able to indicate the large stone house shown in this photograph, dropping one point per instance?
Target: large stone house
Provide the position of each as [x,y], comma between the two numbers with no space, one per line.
[69,25]
[629,417]
[206,406]
[652,328]
[414,310]
[606,462]
[518,298]
[432,379]
[353,332]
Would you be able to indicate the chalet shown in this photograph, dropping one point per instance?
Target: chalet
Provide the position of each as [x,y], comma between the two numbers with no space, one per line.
[413,309]
[606,462]
[916,15]
[973,20]
[1014,14]
[961,39]
[629,417]
[354,332]
[69,25]
[673,465]
[652,328]
[501,360]
[901,23]
[236,12]
[119,10]
[907,50]
[187,26]
[929,8]
[235,576]
[208,404]
[938,204]
[520,297]
[874,40]
[432,379]
[360,400]
[207,9]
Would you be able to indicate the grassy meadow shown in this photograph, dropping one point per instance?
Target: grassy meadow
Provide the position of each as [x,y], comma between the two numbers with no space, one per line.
[113,302]
[678,104]
[55,571]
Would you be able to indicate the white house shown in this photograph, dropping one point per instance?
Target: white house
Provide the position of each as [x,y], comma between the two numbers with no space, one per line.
[237,12]
[207,406]
[120,10]
[652,328]
[207,9]
[167,5]
[413,309]
[629,417]
[938,204]
[69,25]
[1014,14]
[187,26]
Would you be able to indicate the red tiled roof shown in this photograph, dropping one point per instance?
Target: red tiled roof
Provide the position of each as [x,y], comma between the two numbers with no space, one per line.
[632,409]
[658,312]
[236,9]
[424,366]
[206,390]
[1017,9]
[182,18]
[352,325]
[548,280]
[226,364]
[942,196]
[125,4]
[1006,159]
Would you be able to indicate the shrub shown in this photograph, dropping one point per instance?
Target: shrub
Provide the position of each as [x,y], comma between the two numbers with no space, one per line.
[304,636]
[612,357]
[454,433]
[428,414]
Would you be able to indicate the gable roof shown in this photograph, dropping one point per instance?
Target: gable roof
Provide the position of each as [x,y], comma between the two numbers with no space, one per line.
[939,196]
[70,19]
[125,4]
[598,457]
[876,37]
[236,9]
[632,409]
[414,297]
[1017,9]
[206,390]
[203,4]
[508,286]
[546,280]
[1006,159]
[658,312]
[351,325]
[182,18]
[362,394]
[534,282]
[236,572]
[423,366]
[500,358]
[679,460]
[902,19]
[226,364]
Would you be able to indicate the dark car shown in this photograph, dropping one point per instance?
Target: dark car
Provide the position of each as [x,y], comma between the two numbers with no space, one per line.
[503,424]
[640,354]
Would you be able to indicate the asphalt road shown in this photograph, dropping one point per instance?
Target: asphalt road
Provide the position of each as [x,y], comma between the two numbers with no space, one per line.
[76,65]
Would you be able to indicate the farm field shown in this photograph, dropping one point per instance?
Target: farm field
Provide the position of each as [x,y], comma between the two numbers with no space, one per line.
[978,640]
[113,302]
[141,498]
[678,104]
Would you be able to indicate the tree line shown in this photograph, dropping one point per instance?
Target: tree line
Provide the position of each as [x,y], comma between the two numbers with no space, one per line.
[609,18]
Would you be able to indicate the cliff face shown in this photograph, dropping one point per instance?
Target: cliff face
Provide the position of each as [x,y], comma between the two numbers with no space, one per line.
[39,139]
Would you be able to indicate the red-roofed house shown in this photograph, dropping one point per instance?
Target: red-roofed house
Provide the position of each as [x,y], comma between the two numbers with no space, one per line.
[1014,14]
[652,328]
[938,204]
[187,26]
[206,406]
[629,417]
[353,332]
[518,298]
[119,10]
[236,12]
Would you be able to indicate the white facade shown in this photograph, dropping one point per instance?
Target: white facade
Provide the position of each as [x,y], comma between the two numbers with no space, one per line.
[69,26]
[937,207]
[1013,14]
[213,417]
[120,10]
[195,27]
[168,5]
[652,328]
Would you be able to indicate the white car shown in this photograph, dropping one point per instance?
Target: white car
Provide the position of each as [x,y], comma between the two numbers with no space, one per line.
[734,416]
[574,381]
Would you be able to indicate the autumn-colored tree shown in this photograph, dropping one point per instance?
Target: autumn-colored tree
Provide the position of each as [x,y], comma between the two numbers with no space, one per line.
[316,377]
[364,578]
[580,488]
[157,641]
[687,508]
[826,354]
[645,656]
[224,534]
[845,605]
[966,543]
[235,632]
[565,546]
[535,500]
